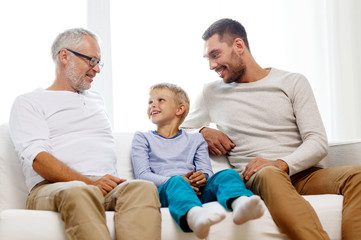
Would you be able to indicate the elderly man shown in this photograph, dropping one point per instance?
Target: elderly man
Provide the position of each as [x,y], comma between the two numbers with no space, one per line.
[65,144]
[272,131]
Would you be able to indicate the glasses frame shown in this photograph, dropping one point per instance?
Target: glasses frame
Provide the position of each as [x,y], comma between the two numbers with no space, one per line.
[92,60]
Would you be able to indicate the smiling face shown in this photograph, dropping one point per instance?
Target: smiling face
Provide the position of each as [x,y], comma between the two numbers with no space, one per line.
[78,71]
[162,109]
[224,59]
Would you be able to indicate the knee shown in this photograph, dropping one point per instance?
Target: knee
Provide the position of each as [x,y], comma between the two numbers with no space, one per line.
[176,179]
[353,173]
[140,187]
[230,172]
[139,192]
[227,174]
[81,194]
[269,176]
[141,184]
[270,172]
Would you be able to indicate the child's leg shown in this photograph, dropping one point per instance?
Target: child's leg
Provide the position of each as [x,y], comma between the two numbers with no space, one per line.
[186,208]
[247,208]
[200,220]
[226,187]
[178,195]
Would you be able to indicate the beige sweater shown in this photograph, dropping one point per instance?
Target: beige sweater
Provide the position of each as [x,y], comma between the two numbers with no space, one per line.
[274,118]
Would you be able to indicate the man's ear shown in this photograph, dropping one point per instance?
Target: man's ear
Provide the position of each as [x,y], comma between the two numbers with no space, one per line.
[180,110]
[239,46]
[63,56]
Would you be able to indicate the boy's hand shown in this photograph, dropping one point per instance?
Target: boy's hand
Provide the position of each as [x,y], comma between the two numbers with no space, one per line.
[198,179]
[187,177]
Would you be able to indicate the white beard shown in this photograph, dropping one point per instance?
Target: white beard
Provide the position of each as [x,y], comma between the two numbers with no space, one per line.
[77,81]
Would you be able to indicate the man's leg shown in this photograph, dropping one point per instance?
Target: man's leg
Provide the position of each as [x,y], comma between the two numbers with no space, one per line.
[137,210]
[346,181]
[80,206]
[292,214]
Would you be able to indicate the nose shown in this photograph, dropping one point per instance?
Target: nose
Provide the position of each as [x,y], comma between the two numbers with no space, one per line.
[212,64]
[97,68]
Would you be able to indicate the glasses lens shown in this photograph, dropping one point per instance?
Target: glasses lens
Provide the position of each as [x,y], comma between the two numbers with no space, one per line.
[93,62]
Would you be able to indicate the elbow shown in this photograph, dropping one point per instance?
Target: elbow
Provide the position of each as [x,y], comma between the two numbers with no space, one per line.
[323,147]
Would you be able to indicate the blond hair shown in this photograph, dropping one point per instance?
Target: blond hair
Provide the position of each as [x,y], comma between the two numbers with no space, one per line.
[180,96]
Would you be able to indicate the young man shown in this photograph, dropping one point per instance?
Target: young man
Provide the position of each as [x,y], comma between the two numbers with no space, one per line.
[178,163]
[65,144]
[272,131]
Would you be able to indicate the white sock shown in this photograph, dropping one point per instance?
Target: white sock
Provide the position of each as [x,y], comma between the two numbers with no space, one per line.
[247,208]
[200,220]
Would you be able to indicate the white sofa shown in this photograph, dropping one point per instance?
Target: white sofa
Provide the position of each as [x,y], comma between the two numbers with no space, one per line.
[16,223]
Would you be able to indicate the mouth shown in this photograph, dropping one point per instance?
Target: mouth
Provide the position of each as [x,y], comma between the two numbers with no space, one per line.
[90,77]
[220,71]
[153,113]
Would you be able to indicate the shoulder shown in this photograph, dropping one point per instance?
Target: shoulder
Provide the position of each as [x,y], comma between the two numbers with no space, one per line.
[287,77]
[212,86]
[193,136]
[139,134]
[29,98]
[143,136]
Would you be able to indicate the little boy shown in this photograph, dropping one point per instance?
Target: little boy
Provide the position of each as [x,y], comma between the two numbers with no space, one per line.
[178,163]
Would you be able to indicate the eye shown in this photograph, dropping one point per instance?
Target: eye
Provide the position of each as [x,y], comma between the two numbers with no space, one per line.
[161,99]
[215,55]
[150,102]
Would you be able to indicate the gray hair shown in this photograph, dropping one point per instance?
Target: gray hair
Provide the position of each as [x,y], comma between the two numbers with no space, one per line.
[70,38]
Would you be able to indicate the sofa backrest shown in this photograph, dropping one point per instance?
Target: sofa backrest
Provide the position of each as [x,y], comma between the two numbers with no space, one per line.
[13,191]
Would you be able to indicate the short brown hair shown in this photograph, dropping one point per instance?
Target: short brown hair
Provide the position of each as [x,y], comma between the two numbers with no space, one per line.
[228,30]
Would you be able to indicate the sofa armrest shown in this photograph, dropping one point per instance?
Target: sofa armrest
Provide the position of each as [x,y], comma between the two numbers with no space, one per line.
[343,153]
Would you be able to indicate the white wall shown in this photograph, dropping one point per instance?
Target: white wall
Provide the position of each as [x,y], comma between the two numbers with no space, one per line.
[144,42]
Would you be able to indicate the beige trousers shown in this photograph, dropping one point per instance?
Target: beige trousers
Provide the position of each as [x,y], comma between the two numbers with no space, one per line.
[82,208]
[294,215]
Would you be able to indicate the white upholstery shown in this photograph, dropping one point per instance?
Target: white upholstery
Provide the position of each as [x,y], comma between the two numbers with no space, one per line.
[17,223]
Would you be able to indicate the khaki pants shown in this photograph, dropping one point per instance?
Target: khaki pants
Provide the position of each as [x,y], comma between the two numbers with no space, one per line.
[294,215]
[82,208]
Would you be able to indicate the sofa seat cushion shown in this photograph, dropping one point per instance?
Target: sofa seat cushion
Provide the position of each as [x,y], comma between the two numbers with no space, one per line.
[44,225]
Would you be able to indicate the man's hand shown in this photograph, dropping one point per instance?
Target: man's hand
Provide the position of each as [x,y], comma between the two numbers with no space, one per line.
[107,183]
[187,177]
[258,163]
[218,142]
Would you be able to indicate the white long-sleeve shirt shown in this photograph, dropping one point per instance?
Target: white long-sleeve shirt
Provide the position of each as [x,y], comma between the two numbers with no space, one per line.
[72,127]
[273,118]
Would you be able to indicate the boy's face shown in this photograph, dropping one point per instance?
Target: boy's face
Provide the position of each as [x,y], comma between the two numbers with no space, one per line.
[162,108]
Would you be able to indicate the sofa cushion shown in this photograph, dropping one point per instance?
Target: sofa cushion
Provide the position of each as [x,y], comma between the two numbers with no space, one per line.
[328,208]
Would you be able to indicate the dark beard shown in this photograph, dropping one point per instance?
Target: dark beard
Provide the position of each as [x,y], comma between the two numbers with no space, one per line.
[236,71]
[237,75]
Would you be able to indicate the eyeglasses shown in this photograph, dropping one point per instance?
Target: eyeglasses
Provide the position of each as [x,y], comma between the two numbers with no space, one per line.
[92,60]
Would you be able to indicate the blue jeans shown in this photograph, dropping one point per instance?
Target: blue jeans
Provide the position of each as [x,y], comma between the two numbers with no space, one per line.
[178,195]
